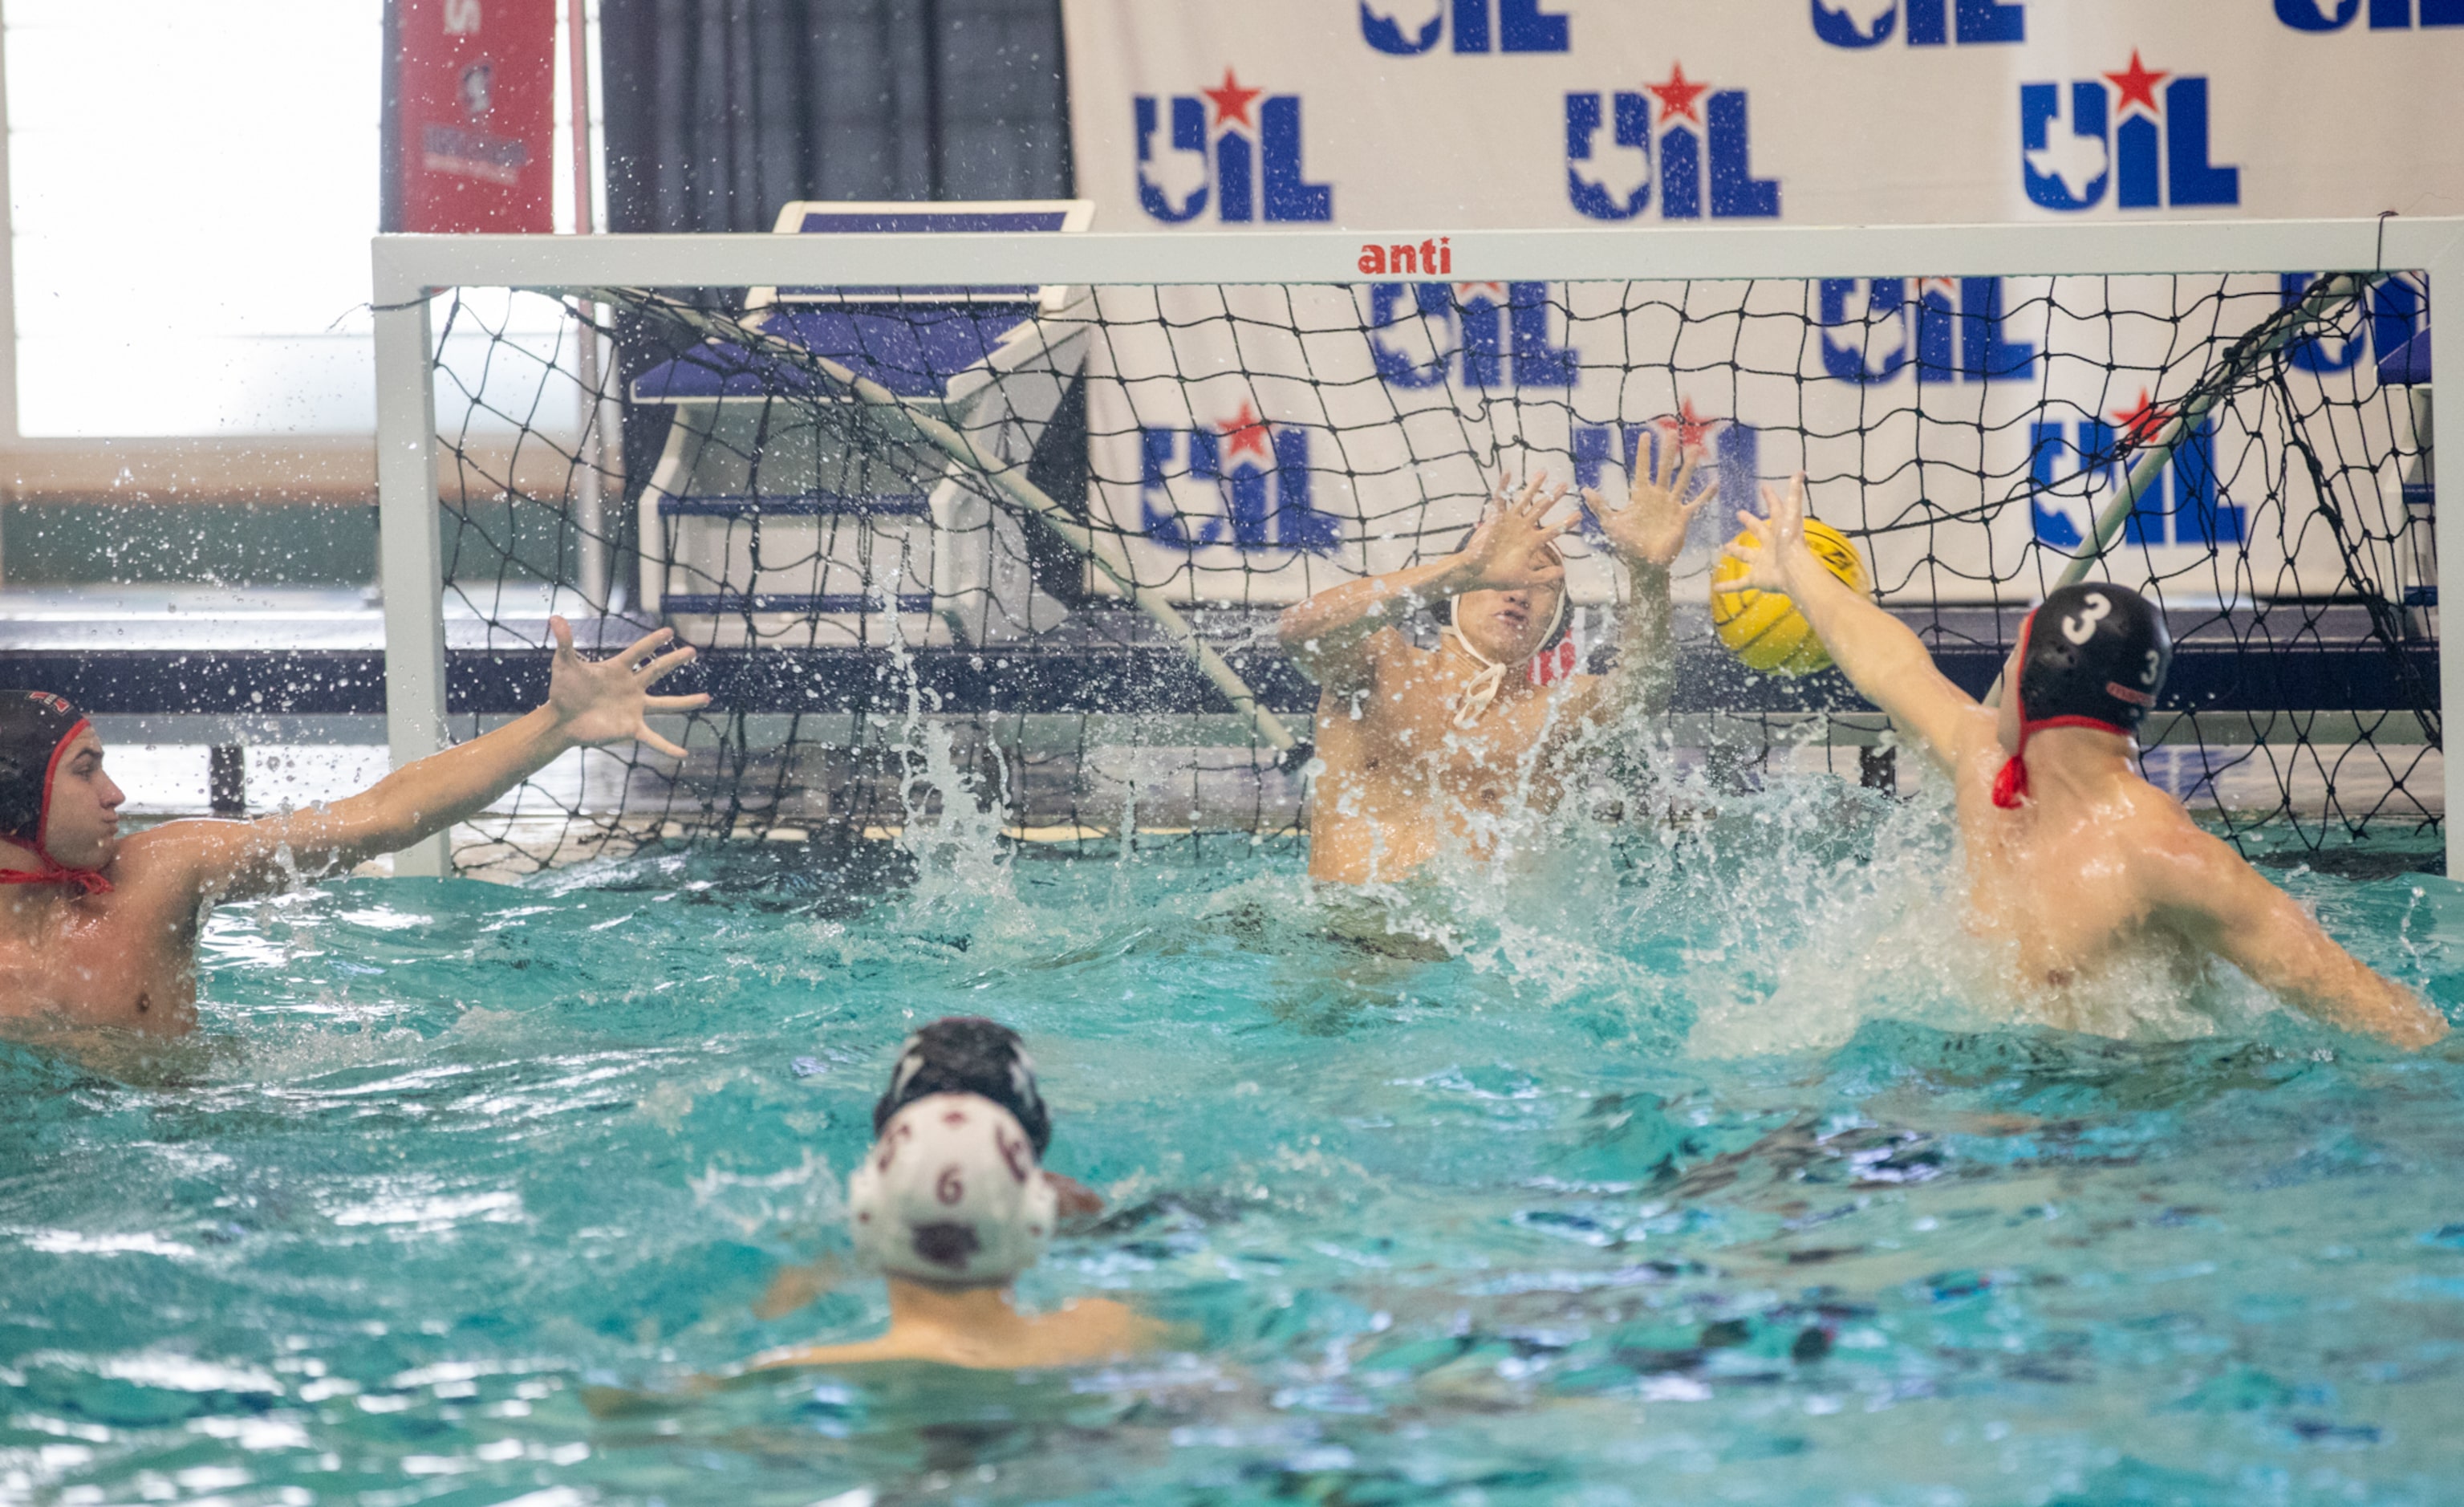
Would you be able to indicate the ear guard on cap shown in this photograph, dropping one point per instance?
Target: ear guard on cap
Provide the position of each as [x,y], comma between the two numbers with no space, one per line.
[2092,655]
[35,727]
[951,1195]
[2094,652]
[36,730]
[1545,667]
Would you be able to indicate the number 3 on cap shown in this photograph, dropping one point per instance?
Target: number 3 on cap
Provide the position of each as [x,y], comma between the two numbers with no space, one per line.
[2080,627]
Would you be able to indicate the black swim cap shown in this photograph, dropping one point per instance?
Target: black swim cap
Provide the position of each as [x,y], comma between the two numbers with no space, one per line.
[968,1054]
[2095,653]
[35,727]
[2092,655]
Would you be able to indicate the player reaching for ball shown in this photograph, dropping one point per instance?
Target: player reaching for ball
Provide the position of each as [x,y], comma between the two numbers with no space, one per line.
[1417,742]
[2087,873]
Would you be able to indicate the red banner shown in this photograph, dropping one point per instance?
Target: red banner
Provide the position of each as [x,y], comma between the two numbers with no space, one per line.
[474,131]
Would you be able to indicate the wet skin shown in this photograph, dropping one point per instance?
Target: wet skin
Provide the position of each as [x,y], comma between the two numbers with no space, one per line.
[1400,775]
[1400,778]
[127,957]
[2098,881]
[977,1327]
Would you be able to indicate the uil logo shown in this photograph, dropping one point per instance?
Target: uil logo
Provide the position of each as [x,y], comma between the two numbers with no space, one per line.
[2385,15]
[1240,481]
[1613,179]
[1406,28]
[1484,334]
[1870,23]
[1734,448]
[2076,467]
[1874,328]
[2156,155]
[1228,147]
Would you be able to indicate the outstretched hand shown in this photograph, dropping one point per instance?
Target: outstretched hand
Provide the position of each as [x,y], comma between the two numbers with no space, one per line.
[1775,542]
[1650,530]
[1508,551]
[608,700]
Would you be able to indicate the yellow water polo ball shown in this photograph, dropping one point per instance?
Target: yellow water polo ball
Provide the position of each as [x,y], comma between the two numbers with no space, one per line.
[1764,629]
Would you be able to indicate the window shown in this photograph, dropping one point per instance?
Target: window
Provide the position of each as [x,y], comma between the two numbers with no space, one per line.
[192,187]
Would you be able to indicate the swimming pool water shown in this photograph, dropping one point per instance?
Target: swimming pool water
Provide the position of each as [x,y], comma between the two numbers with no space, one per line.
[1676,1171]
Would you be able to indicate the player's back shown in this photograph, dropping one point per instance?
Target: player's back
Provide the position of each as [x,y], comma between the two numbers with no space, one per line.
[2061,887]
[1081,1333]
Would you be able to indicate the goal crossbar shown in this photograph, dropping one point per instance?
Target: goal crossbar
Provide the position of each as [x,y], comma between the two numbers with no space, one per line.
[409,269]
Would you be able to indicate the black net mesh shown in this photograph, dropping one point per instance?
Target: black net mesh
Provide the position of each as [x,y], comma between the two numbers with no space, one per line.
[954,555]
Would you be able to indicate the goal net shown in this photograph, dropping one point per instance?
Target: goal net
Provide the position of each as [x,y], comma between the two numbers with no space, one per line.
[1012,555]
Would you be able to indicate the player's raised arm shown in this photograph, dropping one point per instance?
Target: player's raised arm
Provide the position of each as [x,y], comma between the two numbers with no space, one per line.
[1327,634]
[589,702]
[1647,533]
[1881,657]
[2203,887]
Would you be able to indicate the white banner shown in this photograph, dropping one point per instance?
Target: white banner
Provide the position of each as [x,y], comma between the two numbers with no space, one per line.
[1412,114]
[1262,443]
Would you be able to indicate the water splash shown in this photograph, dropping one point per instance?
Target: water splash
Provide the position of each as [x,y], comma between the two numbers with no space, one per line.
[952,817]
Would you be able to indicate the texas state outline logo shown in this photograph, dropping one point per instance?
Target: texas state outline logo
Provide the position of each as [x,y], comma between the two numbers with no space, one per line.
[1234,148]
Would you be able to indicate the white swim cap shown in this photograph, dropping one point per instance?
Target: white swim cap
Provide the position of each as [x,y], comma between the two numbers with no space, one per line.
[1482,689]
[951,1194]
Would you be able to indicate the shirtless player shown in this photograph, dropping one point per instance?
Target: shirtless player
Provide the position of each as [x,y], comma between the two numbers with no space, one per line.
[952,1205]
[2088,874]
[97,930]
[1417,742]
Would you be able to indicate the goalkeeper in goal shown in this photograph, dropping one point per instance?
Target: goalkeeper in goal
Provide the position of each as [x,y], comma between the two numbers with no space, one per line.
[96,929]
[2090,879]
[1422,746]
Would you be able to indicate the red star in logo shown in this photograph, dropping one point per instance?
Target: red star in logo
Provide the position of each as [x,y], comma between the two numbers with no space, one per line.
[2138,84]
[1689,426]
[2141,421]
[1677,97]
[1244,431]
[1231,100]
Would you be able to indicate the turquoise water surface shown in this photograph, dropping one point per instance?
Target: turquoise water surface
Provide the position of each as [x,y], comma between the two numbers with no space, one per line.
[1673,1166]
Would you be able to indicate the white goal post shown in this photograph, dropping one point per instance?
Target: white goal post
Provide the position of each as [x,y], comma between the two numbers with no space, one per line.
[410,269]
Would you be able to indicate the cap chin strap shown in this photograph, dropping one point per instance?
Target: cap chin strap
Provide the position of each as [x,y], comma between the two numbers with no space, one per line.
[2011,784]
[55,871]
[52,871]
[1483,688]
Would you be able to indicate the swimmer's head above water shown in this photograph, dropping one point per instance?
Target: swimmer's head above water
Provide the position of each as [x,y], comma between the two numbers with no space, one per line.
[1509,630]
[2092,655]
[951,1195]
[56,802]
[1509,627]
[968,1054]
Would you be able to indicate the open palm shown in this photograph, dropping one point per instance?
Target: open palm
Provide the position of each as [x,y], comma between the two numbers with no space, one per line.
[1773,543]
[1650,530]
[608,700]
[1511,549]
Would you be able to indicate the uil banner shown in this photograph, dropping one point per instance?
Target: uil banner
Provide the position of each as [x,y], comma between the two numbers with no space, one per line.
[1968,429]
[1263,443]
[1396,114]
